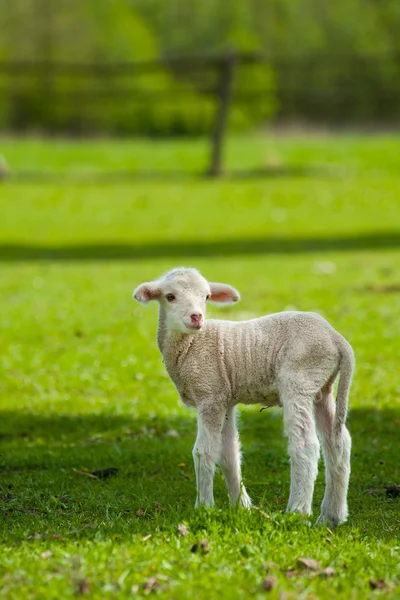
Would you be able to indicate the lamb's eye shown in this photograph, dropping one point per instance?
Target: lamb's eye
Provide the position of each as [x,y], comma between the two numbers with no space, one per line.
[207,297]
[170,297]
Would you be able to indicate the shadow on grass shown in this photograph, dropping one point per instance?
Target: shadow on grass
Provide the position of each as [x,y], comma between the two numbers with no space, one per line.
[161,176]
[43,461]
[206,248]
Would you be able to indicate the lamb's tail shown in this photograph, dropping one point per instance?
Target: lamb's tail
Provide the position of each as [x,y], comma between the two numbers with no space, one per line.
[346,368]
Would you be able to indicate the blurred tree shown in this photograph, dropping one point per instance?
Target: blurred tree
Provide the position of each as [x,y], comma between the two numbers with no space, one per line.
[72,31]
[325,73]
[318,63]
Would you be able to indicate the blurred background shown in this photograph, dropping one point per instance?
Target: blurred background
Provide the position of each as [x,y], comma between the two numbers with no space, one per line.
[114,113]
[155,68]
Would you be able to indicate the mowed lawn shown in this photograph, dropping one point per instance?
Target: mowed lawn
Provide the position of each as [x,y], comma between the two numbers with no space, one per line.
[83,387]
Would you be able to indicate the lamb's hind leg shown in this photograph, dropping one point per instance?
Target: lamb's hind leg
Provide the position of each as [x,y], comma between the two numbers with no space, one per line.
[303,448]
[336,449]
[230,461]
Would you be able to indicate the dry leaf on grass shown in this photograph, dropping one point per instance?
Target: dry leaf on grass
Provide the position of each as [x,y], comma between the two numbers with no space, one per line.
[182,530]
[34,536]
[377,584]
[46,554]
[152,584]
[290,573]
[146,537]
[269,583]
[308,563]
[83,586]
[328,572]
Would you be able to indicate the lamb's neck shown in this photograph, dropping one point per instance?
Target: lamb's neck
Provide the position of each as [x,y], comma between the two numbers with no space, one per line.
[162,330]
[171,344]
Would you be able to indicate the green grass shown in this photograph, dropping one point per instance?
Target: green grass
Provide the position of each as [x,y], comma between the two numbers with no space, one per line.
[83,387]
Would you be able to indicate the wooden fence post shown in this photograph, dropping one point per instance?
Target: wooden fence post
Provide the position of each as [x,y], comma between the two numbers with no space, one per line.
[221,119]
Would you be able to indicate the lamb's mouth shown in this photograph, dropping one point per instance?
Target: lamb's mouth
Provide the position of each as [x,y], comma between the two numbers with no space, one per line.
[194,327]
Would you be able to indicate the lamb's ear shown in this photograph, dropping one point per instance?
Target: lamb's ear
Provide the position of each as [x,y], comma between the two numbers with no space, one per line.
[146,292]
[222,293]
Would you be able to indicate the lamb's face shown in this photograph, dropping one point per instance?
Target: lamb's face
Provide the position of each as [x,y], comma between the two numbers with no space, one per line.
[183,294]
[184,297]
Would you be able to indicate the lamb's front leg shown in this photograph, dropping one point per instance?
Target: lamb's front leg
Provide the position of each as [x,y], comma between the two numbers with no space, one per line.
[230,461]
[206,451]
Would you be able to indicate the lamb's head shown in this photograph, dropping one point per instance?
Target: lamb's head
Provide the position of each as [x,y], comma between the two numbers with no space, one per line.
[183,294]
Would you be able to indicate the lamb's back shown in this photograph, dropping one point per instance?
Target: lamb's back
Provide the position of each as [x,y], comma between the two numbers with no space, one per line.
[242,360]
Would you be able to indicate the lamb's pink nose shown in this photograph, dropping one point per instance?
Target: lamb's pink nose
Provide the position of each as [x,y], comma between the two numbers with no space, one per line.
[196,318]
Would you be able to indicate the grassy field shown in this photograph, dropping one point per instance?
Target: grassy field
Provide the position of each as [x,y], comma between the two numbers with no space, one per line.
[83,387]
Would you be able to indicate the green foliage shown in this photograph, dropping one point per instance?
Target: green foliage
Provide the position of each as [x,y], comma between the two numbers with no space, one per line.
[92,32]
[341,58]
[83,387]
[255,93]
[279,27]
[341,63]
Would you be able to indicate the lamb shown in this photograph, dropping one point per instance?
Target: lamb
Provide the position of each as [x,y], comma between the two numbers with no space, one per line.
[288,359]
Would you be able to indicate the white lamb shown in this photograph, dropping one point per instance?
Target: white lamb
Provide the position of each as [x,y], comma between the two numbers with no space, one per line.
[289,359]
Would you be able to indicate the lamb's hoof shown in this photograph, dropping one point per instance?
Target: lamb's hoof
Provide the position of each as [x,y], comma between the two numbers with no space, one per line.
[328,521]
[321,521]
[206,504]
[245,501]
